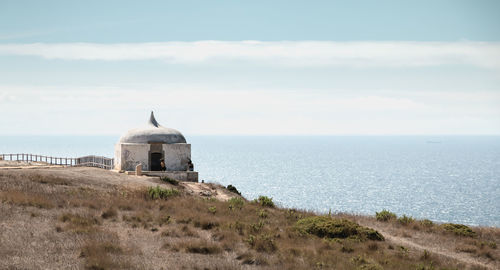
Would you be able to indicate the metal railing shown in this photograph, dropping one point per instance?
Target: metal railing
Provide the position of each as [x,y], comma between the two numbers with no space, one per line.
[86,161]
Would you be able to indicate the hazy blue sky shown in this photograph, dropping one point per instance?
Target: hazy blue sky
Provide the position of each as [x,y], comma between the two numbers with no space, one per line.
[250,67]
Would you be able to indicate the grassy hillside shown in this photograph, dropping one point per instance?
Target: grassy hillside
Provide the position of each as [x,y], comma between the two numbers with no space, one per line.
[90,219]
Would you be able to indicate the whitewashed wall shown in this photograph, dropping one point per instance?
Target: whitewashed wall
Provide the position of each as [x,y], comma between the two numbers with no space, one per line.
[176,156]
[131,155]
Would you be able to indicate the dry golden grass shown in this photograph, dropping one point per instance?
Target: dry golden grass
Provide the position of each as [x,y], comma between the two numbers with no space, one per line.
[103,255]
[199,246]
[112,227]
[22,199]
[49,180]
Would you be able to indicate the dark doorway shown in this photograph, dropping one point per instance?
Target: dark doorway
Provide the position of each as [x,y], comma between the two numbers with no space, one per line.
[155,161]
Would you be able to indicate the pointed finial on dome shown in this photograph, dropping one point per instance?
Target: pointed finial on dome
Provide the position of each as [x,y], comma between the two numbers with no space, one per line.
[152,120]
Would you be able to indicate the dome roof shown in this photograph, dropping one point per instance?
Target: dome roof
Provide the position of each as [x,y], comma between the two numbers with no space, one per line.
[152,133]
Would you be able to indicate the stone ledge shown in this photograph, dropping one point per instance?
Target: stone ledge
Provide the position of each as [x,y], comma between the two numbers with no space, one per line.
[177,175]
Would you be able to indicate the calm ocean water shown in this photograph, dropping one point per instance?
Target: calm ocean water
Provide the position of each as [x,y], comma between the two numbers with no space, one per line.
[443,178]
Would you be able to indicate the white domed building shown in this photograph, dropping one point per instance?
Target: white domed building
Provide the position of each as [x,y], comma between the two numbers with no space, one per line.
[151,144]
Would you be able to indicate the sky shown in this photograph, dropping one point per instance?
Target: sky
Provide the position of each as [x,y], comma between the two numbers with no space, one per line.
[251,67]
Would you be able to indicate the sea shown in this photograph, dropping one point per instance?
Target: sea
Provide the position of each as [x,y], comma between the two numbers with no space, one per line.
[442,178]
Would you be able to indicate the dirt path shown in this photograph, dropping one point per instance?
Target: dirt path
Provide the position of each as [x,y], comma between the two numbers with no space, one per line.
[207,190]
[440,249]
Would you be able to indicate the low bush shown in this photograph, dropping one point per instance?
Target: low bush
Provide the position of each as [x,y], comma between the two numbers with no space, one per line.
[187,231]
[109,213]
[169,180]
[201,247]
[205,224]
[233,189]
[405,220]
[236,202]
[459,229]
[161,193]
[100,256]
[262,243]
[262,213]
[427,223]
[385,215]
[265,201]
[323,226]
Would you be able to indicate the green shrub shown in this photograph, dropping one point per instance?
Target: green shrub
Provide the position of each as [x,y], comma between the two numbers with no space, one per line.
[262,213]
[323,226]
[256,227]
[385,215]
[169,180]
[233,189]
[161,193]
[265,201]
[459,229]
[236,202]
[427,223]
[405,220]
[212,209]
[293,214]
[262,243]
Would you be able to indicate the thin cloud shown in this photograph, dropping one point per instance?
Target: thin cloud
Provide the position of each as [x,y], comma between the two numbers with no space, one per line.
[212,110]
[284,53]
